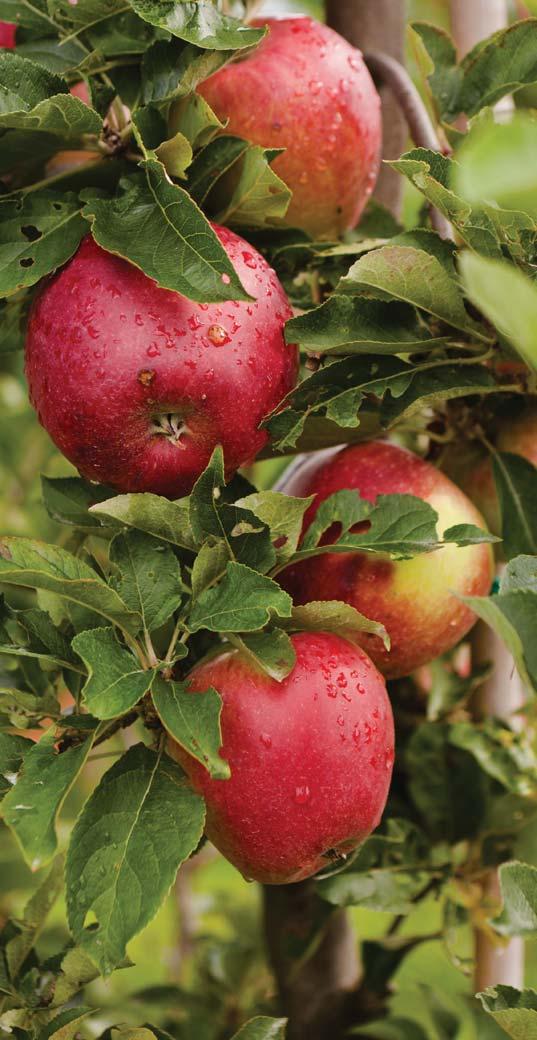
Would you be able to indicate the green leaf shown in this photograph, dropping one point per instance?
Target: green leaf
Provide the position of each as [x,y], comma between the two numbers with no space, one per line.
[30,14]
[272,651]
[507,298]
[485,167]
[68,499]
[502,753]
[157,226]
[520,573]
[516,484]
[12,752]
[45,103]
[39,232]
[83,15]
[34,916]
[333,616]
[66,1024]
[514,1010]
[283,515]
[439,778]
[518,885]
[255,195]
[498,66]
[212,163]
[209,566]
[173,69]
[193,720]
[200,23]
[36,565]
[149,579]
[168,521]
[439,64]
[262,1028]
[513,616]
[194,119]
[243,602]
[138,826]
[31,807]
[413,276]
[116,680]
[354,325]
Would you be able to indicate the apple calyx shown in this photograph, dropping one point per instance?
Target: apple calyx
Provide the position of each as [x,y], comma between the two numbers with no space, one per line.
[172,426]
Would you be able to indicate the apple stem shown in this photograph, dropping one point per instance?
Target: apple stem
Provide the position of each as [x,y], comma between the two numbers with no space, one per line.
[392,73]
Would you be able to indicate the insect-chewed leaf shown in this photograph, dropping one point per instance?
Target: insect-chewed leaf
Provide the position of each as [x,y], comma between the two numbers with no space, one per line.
[157,226]
[149,579]
[283,514]
[193,720]
[40,566]
[139,825]
[200,23]
[39,231]
[243,602]
[30,808]
[116,680]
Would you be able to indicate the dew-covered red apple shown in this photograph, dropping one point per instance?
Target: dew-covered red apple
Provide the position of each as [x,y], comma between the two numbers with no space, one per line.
[136,385]
[418,600]
[307,90]
[311,758]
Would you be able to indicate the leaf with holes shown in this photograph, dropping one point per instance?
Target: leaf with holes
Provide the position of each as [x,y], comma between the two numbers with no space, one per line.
[39,232]
[135,830]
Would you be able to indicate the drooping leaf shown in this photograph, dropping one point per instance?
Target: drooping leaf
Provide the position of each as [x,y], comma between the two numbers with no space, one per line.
[516,484]
[116,679]
[271,650]
[507,298]
[31,807]
[68,499]
[156,226]
[513,616]
[138,826]
[255,195]
[36,565]
[193,720]
[333,616]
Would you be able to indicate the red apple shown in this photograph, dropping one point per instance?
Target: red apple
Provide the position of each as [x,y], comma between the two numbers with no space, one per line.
[470,465]
[311,758]
[307,90]
[7,35]
[416,600]
[136,384]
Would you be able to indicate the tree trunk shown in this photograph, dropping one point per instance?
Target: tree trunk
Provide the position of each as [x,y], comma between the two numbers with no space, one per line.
[316,994]
[379,25]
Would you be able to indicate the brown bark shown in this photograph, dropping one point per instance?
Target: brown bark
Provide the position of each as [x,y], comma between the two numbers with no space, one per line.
[378,25]
[318,993]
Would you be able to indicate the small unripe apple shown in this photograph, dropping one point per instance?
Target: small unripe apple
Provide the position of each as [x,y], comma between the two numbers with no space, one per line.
[416,600]
[470,465]
[136,385]
[7,35]
[307,90]
[311,758]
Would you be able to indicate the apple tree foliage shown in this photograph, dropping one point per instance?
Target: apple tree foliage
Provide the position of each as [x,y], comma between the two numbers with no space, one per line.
[401,331]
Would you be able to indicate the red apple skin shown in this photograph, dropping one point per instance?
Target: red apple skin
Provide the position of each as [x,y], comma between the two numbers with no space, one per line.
[307,90]
[108,352]
[311,758]
[7,35]
[414,599]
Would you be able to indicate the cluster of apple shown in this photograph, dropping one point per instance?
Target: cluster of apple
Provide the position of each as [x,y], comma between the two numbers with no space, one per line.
[136,385]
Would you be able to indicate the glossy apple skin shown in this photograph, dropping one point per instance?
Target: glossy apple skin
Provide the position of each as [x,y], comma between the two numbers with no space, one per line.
[307,90]
[7,35]
[471,467]
[311,758]
[108,352]
[413,599]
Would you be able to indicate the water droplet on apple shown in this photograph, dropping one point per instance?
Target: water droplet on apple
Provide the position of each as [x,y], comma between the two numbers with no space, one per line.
[153,350]
[266,739]
[249,258]
[356,735]
[302,794]
[139,320]
[353,61]
[194,322]
[340,720]
[315,86]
